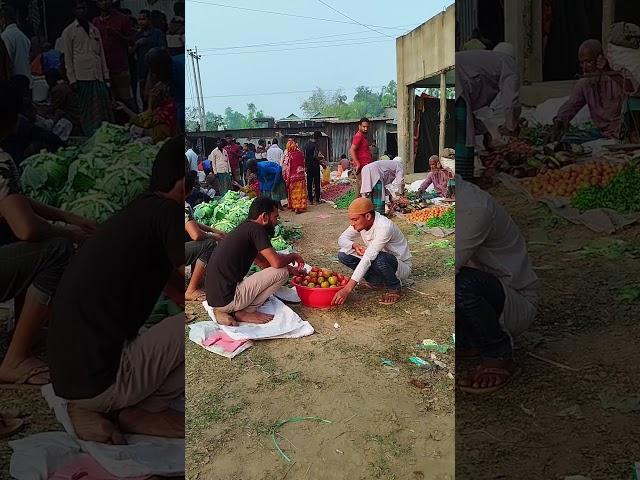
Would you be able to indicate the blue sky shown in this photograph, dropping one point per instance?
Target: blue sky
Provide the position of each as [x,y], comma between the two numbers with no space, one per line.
[290,54]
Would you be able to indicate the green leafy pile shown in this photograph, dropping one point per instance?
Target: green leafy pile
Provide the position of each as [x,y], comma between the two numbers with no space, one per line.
[344,201]
[446,220]
[621,194]
[232,210]
[95,180]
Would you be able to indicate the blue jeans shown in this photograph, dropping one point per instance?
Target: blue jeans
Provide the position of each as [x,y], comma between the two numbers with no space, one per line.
[381,272]
[479,303]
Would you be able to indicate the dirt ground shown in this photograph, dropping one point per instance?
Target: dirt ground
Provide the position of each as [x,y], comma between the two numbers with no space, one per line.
[383,427]
[551,423]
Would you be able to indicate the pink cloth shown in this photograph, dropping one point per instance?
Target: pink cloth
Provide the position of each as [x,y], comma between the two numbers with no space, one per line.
[221,339]
[85,467]
[605,97]
[480,76]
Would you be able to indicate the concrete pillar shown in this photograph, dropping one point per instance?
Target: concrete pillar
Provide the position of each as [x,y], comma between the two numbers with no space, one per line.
[443,112]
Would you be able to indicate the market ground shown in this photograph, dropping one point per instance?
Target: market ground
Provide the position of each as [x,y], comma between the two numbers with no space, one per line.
[383,427]
[551,423]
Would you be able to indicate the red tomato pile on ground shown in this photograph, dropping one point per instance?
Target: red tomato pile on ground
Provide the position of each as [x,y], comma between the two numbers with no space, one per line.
[320,278]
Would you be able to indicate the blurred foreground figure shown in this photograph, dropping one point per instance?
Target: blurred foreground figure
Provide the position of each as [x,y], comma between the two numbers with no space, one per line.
[495,288]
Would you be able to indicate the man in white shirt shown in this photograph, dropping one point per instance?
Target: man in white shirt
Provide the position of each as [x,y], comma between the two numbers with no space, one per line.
[495,287]
[382,260]
[382,178]
[221,167]
[17,43]
[192,155]
[275,153]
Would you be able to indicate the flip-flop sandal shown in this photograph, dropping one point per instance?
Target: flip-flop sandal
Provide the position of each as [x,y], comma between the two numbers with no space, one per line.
[9,426]
[507,375]
[389,298]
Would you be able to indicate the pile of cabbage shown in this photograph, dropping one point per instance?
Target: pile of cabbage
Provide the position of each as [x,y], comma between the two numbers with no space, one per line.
[233,209]
[94,180]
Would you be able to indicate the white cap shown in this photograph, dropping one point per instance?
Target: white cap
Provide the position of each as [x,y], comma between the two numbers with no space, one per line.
[506,48]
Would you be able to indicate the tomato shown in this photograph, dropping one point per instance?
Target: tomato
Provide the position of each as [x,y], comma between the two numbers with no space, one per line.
[305,283]
[333,280]
[334,286]
[311,285]
[321,279]
[315,269]
[297,279]
[307,278]
[326,273]
[325,284]
[313,274]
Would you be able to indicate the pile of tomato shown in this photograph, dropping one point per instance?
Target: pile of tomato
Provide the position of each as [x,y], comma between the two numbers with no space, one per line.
[320,278]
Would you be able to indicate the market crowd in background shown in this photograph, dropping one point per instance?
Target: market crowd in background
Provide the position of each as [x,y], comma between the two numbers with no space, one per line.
[108,65]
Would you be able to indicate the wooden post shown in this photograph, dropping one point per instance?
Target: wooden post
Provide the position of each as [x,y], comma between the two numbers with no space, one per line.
[443,112]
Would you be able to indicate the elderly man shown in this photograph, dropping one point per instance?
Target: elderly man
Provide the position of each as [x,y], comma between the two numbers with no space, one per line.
[439,177]
[378,176]
[382,260]
[495,288]
[480,76]
[601,89]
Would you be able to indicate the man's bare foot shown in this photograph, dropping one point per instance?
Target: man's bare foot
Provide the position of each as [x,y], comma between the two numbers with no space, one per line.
[168,423]
[30,371]
[195,295]
[253,317]
[94,427]
[223,318]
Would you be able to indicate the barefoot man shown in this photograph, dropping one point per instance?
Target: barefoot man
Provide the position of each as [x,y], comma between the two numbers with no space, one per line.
[98,359]
[233,297]
[495,288]
[382,260]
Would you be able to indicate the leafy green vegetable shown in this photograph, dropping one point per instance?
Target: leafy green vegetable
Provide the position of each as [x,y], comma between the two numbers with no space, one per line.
[446,220]
[344,201]
[622,193]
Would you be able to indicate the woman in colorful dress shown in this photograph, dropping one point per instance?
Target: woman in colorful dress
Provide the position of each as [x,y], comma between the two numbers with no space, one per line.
[295,177]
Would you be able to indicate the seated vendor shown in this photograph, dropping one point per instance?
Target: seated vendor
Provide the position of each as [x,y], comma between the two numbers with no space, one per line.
[382,260]
[439,177]
[602,90]
[233,297]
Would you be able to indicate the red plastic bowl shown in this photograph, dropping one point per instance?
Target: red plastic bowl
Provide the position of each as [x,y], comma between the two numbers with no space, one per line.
[316,297]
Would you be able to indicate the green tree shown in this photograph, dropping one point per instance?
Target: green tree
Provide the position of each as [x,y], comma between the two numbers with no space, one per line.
[317,102]
[390,94]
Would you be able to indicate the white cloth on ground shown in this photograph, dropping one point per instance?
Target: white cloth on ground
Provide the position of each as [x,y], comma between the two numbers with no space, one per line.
[285,324]
[383,236]
[287,294]
[143,455]
[488,239]
[200,331]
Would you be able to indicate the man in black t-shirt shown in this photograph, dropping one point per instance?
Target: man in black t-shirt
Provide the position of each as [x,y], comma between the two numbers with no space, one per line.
[234,297]
[312,159]
[98,360]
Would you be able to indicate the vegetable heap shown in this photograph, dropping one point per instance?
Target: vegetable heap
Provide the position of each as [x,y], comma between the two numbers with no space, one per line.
[446,220]
[622,193]
[566,182]
[345,200]
[424,215]
[95,180]
[232,210]
[334,191]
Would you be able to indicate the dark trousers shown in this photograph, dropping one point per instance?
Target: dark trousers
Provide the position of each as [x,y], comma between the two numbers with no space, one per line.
[382,271]
[38,264]
[479,303]
[313,179]
[200,250]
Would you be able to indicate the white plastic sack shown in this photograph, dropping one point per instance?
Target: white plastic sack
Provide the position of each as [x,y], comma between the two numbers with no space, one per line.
[627,58]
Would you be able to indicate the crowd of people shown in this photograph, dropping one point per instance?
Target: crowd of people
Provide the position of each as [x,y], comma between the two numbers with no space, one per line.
[108,65]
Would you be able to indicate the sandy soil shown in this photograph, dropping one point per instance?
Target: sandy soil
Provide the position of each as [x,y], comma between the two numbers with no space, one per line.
[383,427]
[550,423]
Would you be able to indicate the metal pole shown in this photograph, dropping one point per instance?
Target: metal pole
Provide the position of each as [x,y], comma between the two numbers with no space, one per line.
[204,116]
[443,112]
[193,65]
